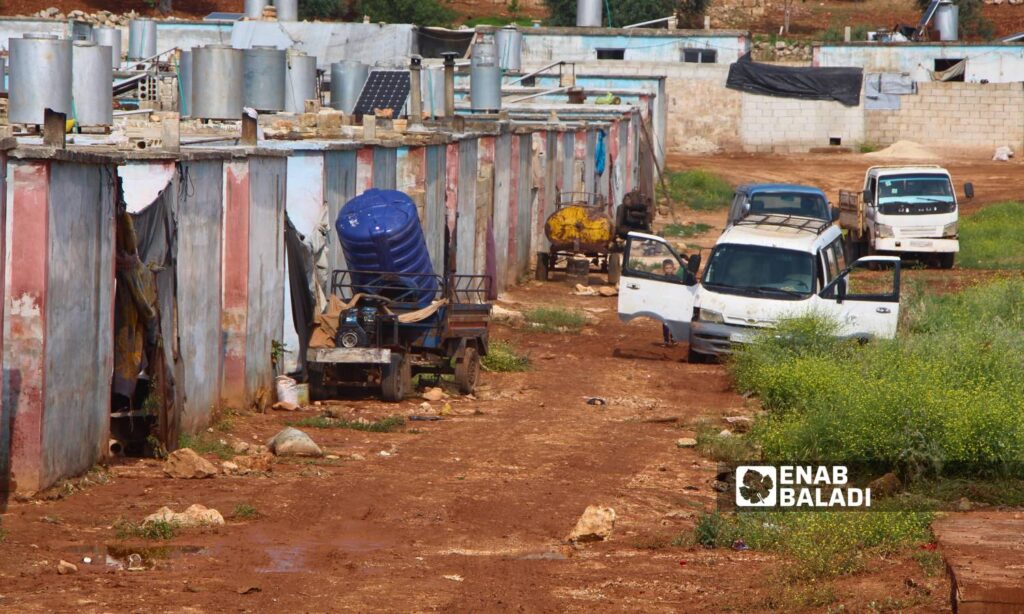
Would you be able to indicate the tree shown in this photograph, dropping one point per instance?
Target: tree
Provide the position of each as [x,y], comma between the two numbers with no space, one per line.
[619,13]
[972,22]
[323,9]
[419,12]
[691,12]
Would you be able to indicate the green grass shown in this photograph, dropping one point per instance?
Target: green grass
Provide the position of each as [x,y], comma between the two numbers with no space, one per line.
[836,33]
[731,448]
[930,561]
[868,147]
[159,529]
[204,443]
[555,319]
[502,357]
[685,231]
[993,238]
[246,511]
[699,190]
[384,425]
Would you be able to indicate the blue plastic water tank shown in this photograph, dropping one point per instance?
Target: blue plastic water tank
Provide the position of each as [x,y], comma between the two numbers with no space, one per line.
[380,231]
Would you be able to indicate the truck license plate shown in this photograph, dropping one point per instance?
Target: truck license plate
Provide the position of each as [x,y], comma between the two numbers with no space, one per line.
[739,337]
[920,244]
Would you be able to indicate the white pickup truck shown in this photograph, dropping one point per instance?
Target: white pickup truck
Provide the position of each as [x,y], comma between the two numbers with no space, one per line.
[905,210]
[762,269]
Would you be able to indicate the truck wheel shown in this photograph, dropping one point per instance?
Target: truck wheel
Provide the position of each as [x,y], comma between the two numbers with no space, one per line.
[946,261]
[543,260]
[614,268]
[696,358]
[467,371]
[396,378]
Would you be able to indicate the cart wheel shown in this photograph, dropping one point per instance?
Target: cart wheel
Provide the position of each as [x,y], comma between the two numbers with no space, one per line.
[467,371]
[614,268]
[396,378]
[543,263]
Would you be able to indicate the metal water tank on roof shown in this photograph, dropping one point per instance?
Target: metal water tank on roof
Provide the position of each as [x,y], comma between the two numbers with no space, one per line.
[510,48]
[947,21]
[216,82]
[110,37]
[263,78]
[380,232]
[287,10]
[347,80]
[92,84]
[484,77]
[588,13]
[185,83]
[40,77]
[299,81]
[141,39]
[254,8]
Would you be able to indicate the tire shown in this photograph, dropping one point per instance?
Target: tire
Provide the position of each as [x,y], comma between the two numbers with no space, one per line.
[396,378]
[614,268]
[543,262]
[946,261]
[467,370]
[696,358]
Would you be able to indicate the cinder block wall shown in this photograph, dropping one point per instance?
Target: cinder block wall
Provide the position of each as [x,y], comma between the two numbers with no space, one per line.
[953,114]
[770,124]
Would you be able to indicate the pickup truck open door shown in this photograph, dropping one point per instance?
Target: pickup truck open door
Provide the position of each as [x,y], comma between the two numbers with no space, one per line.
[865,298]
[657,283]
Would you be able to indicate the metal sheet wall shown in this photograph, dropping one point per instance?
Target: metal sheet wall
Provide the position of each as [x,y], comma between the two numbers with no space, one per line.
[466,207]
[79,302]
[199,215]
[339,188]
[526,194]
[502,207]
[385,162]
[267,189]
[434,203]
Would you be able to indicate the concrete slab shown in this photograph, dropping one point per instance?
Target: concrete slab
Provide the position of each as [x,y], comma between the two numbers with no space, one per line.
[984,553]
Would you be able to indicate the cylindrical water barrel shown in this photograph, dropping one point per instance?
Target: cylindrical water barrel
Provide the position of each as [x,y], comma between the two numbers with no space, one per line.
[3,74]
[216,82]
[263,78]
[287,10]
[947,21]
[588,13]
[254,8]
[299,81]
[110,37]
[40,78]
[91,81]
[510,48]
[380,232]
[185,83]
[484,78]
[141,39]
[347,80]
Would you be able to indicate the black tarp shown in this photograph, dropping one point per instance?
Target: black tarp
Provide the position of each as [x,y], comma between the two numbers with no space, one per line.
[808,83]
[300,271]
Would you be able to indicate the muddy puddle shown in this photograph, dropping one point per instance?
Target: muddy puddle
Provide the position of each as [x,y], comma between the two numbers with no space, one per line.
[132,558]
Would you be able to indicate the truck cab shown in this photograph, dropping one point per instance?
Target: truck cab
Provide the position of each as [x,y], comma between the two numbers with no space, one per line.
[762,269]
[903,210]
[783,199]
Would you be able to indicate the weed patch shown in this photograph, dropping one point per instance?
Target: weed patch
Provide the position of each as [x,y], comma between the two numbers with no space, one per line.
[502,357]
[384,425]
[685,231]
[246,511]
[555,320]
[930,561]
[205,444]
[699,190]
[158,529]
[993,238]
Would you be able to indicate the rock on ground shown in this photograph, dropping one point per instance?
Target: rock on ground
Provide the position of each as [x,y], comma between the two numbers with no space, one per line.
[257,463]
[594,525]
[433,394]
[64,568]
[886,485]
[293,442]
[195,516]
[686,442]
[186,464]
[508,316]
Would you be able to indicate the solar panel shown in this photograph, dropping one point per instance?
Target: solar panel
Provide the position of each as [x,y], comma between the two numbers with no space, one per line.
[926,17]
[384,89]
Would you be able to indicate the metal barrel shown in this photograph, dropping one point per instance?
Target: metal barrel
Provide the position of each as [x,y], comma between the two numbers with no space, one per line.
[91,84]
[347,80]
[263,78]
[185,83]
[40,78]
[484,78]
[254,8]
[216,82]
[110,37]
[141,39]
[510,48]
[287,10]
[300,81]
[588,13]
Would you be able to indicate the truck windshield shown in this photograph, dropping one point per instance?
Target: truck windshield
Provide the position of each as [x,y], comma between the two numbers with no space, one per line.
[754,270]
[790,203]
[919,193]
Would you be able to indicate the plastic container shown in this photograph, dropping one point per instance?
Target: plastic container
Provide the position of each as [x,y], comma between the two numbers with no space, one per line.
[380,232]
[287,390]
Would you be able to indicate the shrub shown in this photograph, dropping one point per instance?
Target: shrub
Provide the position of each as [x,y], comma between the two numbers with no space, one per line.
[158,529]
[502,357]
[418,12]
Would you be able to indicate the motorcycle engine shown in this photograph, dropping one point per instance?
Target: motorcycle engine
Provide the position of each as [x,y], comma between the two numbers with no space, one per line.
[358,328]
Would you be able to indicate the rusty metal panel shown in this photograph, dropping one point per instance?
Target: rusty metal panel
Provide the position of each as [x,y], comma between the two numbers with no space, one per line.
[235,275]
[339,188]
[589,138]
[385,164]
[502,208]
[267,188]
[551,187]
[364,169]
[484,247]
[198,301]
[465,261]
[79,303]
[526,194]
[625,154]
[434,204]
[567,153]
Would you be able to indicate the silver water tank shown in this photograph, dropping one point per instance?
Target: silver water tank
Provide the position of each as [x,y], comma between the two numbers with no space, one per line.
[347,80]
[947,21]
[110,37]
[588,13]
[216,82]
[484,77]
[40,77]
[185,83]
[3,74]
[254,8]
[91,84]
[263,78]
[287,10]
[510,48]
[299,81]
[141,39]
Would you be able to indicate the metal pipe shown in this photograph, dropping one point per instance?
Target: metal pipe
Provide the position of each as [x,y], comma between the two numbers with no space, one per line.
[449,83]
[535,73]
[415,91]
[647,23]
[539,94]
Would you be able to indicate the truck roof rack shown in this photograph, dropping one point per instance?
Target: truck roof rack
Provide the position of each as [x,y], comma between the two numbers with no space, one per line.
[796,222]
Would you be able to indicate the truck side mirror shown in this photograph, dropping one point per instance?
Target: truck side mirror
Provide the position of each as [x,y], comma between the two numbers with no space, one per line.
[868,196]
[693,264]
[969,190]
[835,213]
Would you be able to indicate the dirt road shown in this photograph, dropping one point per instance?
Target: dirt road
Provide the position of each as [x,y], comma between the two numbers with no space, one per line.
[467,513]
